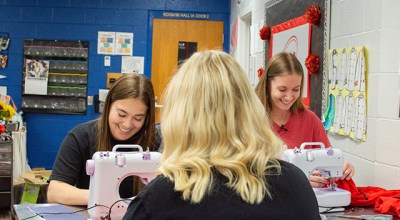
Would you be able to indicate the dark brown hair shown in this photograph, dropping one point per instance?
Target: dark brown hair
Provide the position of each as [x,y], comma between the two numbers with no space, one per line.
[128,86]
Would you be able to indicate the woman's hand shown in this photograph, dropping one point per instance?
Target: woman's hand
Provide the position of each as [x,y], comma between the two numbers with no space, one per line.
[348,171]
[317,181]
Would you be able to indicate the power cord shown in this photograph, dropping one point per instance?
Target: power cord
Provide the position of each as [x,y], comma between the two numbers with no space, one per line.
[108,217]
[329,209]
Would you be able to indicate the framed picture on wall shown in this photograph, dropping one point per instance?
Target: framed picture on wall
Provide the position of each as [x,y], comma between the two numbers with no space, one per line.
[295,29]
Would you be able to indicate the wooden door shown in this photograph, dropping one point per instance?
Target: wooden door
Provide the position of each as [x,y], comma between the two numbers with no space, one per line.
[167,33]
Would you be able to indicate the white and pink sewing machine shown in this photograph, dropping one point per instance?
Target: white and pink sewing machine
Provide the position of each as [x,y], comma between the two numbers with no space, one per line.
[329,162]
[108,169]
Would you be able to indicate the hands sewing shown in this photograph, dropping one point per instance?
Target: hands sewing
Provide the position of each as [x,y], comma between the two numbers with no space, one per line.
[318,181]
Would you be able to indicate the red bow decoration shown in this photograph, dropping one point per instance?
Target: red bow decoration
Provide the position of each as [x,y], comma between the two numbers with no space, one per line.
[260,72]
[312,63]
[265,32]
[313,14]
[2,129]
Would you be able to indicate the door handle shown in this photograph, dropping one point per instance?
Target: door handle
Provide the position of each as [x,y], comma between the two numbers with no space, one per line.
[158,106]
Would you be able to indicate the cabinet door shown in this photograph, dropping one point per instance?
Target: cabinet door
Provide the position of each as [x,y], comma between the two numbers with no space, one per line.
[5,165]
[5,183]
[5,199]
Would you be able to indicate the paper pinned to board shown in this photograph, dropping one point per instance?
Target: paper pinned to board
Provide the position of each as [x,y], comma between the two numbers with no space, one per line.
[102,94]
[132,64]
[3,90]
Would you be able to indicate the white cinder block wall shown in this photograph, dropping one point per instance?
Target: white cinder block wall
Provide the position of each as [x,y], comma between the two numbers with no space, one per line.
[375,25]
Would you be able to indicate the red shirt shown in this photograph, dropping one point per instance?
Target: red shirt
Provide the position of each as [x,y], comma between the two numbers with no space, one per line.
[302,127]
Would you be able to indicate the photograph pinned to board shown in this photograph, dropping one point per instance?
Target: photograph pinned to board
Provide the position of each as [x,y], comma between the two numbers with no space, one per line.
[3,61]
[347,81]
[36,76]
[4,42]
[132,64]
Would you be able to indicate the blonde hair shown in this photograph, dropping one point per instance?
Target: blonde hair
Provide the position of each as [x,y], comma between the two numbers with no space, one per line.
[280,64]
[212,120]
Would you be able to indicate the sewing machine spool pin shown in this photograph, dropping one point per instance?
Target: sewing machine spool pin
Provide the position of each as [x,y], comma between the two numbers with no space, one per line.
[120,160]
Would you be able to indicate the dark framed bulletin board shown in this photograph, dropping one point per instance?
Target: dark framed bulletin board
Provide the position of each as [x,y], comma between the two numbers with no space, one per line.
[302,27]
[55,76]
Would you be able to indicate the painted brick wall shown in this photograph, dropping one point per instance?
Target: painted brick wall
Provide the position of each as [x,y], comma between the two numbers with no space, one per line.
[374,25]
[79,20]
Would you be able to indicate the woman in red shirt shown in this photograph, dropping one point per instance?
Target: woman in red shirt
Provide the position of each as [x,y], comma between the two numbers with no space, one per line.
[280,91]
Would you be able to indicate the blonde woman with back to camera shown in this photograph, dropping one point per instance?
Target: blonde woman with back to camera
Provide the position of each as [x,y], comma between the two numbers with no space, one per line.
[220,161]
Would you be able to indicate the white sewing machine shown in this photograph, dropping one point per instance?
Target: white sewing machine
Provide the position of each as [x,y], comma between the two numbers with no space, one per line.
[329,162]
[108,169]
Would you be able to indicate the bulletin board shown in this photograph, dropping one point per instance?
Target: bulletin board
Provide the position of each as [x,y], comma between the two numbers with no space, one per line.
[347,81]
[55,76]
[288,16]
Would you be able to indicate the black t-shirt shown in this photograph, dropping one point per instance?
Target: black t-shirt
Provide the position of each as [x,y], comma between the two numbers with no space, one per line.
[292,198]
[79,146]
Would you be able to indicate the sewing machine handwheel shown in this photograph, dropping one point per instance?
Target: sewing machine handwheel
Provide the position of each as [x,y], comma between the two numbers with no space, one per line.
[303,145]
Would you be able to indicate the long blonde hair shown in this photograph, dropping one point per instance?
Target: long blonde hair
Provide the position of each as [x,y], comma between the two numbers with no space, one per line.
[212,120]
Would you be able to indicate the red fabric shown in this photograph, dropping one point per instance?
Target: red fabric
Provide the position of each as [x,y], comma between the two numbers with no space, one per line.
[313,14]
[384,201]
[265,33]
[295,22]
[312,63]
[388,205]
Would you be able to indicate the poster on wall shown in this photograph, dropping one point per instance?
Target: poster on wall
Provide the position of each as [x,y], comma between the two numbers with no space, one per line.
[185,50]
[347,111]
[36,77]
[293,36]
[106,43]
[123,43]
[132,64]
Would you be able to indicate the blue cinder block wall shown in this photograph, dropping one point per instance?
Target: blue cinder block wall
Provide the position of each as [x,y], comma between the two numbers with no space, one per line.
[81,20]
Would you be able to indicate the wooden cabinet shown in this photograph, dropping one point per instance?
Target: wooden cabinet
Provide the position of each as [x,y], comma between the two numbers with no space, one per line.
[6,165]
